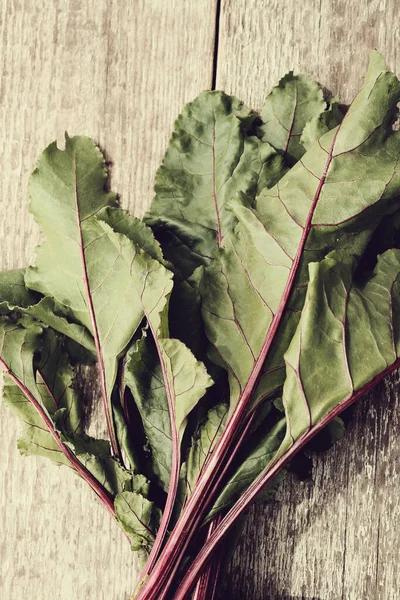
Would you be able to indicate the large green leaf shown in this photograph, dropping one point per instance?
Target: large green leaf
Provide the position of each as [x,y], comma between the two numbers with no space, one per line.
[294,102]
[209,160]
[20,342]
[259,278]
[78,265]
[351,326]
[184,380]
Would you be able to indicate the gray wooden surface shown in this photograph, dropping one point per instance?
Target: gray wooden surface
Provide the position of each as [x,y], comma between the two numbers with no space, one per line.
[120,72]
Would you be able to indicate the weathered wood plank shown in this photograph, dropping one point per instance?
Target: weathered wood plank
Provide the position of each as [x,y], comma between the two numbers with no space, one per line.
[336,536]
[119,72]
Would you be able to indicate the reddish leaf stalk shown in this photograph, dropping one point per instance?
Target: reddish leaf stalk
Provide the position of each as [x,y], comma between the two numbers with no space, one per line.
[101,492]
[198,516]
[206,587]
[262,481]
[156,585]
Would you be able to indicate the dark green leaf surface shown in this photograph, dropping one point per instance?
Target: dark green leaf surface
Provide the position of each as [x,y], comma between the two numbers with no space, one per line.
[36,358]
[54,378]
[143,375]
[251,467]
[307,214]
[19,343]
[209,160]
[351,327]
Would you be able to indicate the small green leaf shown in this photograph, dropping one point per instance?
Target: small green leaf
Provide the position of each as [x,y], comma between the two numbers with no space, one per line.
[54,378]
[139,518]
[204,443]
[251,467]
[20,342]
[143,375]
[292,103]
[13,292]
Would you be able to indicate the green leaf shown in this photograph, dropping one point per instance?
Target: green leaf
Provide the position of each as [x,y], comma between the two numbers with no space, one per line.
[250,468]
[204,443]
[322,123]
[209,160]
[35,356]
[127,447]
[13,292]
[260,274]
[294,102]
[143,375]
[137,231]
[139,518]
[348,325]
[19,344]
[78,265]
[106,469]
[54,378]
[14,296]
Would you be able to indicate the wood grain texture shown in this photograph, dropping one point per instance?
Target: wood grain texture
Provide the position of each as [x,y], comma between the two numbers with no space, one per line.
[120,73]
[337,535]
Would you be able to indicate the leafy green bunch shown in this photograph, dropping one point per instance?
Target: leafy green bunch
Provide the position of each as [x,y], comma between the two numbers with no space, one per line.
[256,300]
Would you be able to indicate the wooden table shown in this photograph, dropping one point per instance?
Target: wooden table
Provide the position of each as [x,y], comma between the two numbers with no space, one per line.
[120,71]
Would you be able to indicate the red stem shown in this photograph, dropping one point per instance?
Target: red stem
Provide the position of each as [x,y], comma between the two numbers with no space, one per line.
[106,404]
[262,481]
[196,521]
[185,527]
[207,583]
[101,492]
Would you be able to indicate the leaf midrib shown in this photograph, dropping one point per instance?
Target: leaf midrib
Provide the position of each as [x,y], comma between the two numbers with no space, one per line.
[92,315]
